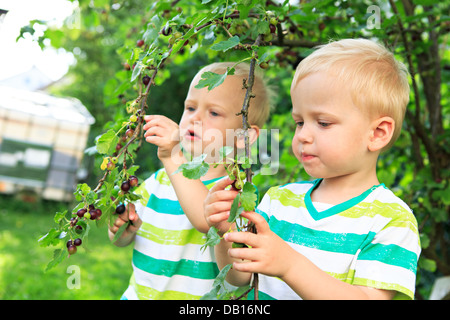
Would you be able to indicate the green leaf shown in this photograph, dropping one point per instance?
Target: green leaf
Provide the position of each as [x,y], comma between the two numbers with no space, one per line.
[234,211]
[220,279]
[153,28]
[212,80]
[226,45]
[224,151]
[137,70]
[120,231]
[195,169]
[59,216]
[51,238]
[212,238]
[107,142]
[58,256]
[427,264]
[249,197]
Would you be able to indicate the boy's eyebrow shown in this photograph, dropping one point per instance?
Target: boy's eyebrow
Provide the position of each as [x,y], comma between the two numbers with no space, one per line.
[190,101]
[315,114]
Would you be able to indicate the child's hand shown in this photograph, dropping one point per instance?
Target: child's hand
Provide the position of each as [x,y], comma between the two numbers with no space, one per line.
[217,205]
[162,132]
[129,233]
[269,254]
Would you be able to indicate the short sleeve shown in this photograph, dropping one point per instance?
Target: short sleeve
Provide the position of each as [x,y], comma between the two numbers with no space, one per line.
[389,259]
[264,206]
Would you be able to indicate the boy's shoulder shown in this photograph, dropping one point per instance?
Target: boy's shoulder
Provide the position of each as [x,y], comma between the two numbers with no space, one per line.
[388,204]
[300,187]
[290,194]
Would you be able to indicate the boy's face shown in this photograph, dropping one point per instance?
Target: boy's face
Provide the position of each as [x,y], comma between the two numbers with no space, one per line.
[331,135]
[208,114]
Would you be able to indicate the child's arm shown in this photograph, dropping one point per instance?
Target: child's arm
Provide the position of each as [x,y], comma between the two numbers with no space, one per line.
[217,209]
[272,256]
[130,232]
[164,133]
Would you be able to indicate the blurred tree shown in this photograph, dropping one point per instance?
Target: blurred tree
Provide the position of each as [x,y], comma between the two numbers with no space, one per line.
[107,46]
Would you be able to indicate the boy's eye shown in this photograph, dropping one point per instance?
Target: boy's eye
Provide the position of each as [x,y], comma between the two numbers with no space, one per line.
[214,114]
[299,123]
[324,124]
[189,108]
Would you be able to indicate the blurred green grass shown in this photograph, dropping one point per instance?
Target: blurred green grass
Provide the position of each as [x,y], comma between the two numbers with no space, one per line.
[104,268]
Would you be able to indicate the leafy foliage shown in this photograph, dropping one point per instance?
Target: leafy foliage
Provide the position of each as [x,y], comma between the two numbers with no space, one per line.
[105,46]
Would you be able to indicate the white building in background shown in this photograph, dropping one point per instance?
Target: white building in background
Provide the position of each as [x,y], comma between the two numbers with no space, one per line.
[42,140]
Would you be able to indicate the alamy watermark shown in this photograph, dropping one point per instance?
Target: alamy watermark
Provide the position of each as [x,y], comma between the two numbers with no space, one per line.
[74,280]
[374,20]
[264,152]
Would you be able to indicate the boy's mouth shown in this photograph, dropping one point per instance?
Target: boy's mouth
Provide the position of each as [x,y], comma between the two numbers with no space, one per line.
[307,156]
[191,135]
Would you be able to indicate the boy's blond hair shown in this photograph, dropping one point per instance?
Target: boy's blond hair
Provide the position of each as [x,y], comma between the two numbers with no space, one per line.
[377,81]
[261,104]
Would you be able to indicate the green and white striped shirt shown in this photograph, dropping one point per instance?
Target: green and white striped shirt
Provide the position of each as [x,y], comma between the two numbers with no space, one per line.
[167,261]
[371,240]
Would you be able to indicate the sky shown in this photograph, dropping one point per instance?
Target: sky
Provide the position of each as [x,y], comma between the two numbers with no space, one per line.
[18,57]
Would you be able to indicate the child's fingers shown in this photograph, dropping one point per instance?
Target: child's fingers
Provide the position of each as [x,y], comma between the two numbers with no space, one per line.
[156,130]
[249,254]
[248,238]
[218,218]
[221,185]
[260,223]
[222,195]
[247,266]
[218,207]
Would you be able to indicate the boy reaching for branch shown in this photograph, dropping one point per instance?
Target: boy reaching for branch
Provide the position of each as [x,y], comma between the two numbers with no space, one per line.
[343,235]
[168,223]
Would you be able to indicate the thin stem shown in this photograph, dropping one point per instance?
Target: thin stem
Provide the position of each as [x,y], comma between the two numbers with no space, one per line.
[248,85]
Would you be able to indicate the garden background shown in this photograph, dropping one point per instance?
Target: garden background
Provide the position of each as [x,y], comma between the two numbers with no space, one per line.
[103,37]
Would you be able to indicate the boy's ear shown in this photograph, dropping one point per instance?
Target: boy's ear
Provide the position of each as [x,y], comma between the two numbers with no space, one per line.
[381,133]
[253,133]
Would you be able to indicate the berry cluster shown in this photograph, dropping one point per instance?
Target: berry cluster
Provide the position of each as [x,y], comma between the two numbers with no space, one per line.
[83,214]
[72,245]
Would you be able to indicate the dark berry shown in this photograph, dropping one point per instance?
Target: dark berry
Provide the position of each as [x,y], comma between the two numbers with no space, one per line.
[125,186]
[93,214]
[77,242]
[140,43]
[69,243]
[133,181]
[129,133]
[73,221]
[78,229]
[146,80]
[272,28]
[166,31]
[110,166]
[81,212]
[120,208]
[72,249]
[264,65]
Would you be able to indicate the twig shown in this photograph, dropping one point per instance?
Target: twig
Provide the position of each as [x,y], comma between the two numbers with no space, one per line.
[248,85]
[142,98]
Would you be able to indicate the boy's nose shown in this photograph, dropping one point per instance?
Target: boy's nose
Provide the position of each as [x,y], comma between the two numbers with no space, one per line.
[196,117]
[304,135]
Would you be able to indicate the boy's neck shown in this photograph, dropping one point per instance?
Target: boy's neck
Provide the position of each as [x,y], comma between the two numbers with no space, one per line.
[340,189]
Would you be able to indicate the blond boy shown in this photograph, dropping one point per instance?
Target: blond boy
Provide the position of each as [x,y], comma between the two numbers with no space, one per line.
[168,223]
[343,235]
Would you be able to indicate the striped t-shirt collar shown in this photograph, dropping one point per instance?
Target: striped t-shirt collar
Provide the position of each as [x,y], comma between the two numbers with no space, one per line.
[316,215]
